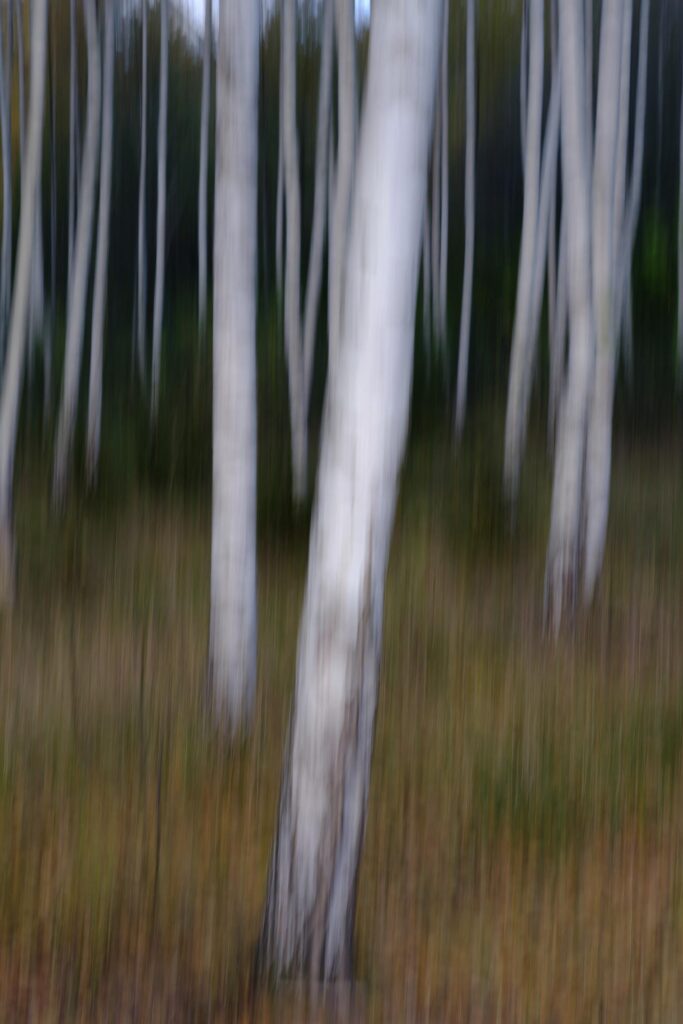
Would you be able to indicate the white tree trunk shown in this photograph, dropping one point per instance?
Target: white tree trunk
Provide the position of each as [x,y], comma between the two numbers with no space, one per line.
[74,153]
[588,15]
[598,451]
[13,374]
[322,148]
[347,117]
[99,301]
[552,219]
[160,265]
[558,336]
[564,540]
[204,167]
[624,318]
[141,299]
[232,636]
[6,257]
[293,346]
[470,210]
[443,250]
[21,76]
[308,922]
[680,247]
[521,335]
[75,317]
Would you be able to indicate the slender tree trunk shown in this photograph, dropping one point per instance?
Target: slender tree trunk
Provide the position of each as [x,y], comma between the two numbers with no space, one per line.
[280,193]
[564,541]
[232,637]
[588,15]
[12,378]
[322,147]
[680,248]
[435,227]
[558,336]
[6,260]
[470,210]
[141,303]
[204,167]
[75,318]
[21,76]
[52,325]
[102,257]
[524,81]
[310,905]
[598,452]
[443,253]
[347,117]
[160,264]
[293,346]
[552,219]
[521,335]
[624,300]
[74,155]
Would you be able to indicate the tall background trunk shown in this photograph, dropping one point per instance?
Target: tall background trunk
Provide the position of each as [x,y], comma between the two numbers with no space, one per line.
[141,301]
[160,265]
[204,168]
[6,257]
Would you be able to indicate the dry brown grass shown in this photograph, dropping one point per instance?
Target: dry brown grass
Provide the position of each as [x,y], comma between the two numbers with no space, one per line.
[526,815]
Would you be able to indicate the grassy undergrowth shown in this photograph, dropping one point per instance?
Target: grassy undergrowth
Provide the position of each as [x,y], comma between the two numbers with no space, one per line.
[526,813]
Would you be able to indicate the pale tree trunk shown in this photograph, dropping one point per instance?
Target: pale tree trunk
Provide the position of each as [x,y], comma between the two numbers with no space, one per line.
[232,636]
[74,155]
[308,922]
[204,168]
[624,299]
[558,336]
[588,15]
[14,366]
[6,259]
[21,76]
[524,80]
[347,117]
[293,346]
[160,265]
[75,317]
[599,442]
[622,140]
[562,559]
[99,301]
[680,248]
[322,148]
[435,227]
[552,219]
[443,250]
[521,334]
[141,299]
[470,210]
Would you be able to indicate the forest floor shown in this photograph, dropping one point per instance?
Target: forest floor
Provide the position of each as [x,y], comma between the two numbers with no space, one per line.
[525,830]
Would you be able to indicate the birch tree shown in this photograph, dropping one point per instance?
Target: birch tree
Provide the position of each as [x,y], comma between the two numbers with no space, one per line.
[12,378]
[232,635]
[443,201]
[470,213]
[161,211]
[521,335]
[102,254]
[308,922]
[76,304]
[6,257]
[141,300]
[562,560]
[204,167]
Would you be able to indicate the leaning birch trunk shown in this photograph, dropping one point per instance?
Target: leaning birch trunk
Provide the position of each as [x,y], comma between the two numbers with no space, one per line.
[599,441]
[443,249]
[232,636]
[470,210]
[322,146]
[13,373]
[6,258]
[75,316]
[204,169]
[308,922]
[293,347]
[521,335]
[624,300]
[73,119]
[347,117]
[562,560]
[141,299]
[680,248]
[160,265]
[558,336]
[99,301]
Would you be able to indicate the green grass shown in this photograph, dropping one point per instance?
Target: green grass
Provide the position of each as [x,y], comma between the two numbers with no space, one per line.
[525,819]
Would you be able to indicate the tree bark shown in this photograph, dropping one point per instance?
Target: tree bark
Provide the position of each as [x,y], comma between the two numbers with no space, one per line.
[74,148]
[102,255]
[6,259]
[521,335]
[160,264]
[75,318]
[558,337]
[680,247]
[562,558]
[308,922]
[443,249]
[232,636]
[470,213]
[280,193]
[13,374]
[204,168]
[141,303]
[322,147]
[524,81]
